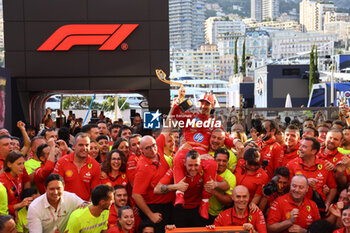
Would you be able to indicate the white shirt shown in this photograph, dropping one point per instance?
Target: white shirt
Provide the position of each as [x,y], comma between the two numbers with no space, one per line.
[43,218]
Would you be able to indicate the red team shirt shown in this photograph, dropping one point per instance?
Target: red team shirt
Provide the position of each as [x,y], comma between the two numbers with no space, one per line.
[341,230]
[79,182]
[147,177]
[196,137]
[317,171]
[229,218]
[281,208]
[272,152]
[115,229]
[253,181]
[131,167]
[1,163]
[193,194]
[289,155]
[41,173]
[14,187]
[121,179]
[333,157]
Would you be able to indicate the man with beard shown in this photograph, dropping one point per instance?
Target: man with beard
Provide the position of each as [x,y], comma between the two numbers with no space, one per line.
[114,131]
[217,141]
[330,151]
[94,217]
[120,199]
[102,140]
[293,212]
[314,169]
[80,172]
[345,150]
[292,144]
[192,185]
[270,149]
[135,149]
[151,167]
[343,167]
[239,214]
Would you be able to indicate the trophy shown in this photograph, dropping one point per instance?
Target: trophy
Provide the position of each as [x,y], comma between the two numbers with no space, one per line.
[185,103]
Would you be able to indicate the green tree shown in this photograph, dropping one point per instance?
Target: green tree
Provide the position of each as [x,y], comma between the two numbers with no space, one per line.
[121,102]
[316,60]
[243,58]
[79,102]
[235,64]
[312,69]
[109,104]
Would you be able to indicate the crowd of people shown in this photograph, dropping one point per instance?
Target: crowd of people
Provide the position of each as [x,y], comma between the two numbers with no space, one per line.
[109,177]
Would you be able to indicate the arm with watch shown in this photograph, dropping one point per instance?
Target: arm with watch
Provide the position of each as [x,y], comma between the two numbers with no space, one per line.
[344,111]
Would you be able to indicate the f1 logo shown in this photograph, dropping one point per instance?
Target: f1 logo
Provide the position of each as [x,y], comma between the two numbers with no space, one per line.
[109,36]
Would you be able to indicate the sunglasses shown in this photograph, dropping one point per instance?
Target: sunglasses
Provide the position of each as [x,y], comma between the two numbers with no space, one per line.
[13,189]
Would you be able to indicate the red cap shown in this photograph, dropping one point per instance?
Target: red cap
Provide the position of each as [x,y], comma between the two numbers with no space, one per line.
[207,97]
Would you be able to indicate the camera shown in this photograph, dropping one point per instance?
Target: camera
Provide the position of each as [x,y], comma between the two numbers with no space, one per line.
[272,186]
[264,163]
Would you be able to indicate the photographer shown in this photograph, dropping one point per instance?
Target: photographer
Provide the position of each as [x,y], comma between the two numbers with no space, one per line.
[277,187]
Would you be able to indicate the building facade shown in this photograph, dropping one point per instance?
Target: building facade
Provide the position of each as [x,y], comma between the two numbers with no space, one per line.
[288,25]
[264,10]
[203,63]
[215,26]
[312,14]
[186,24]
[289,44]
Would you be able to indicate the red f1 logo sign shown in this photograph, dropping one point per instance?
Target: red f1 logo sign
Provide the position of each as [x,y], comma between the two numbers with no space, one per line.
[109,36]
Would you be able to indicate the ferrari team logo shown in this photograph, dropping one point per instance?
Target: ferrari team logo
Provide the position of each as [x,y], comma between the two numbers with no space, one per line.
[69,173]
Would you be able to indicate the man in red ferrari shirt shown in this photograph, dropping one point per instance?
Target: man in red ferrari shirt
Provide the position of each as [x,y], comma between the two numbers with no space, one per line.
[270,149]
[330,151]
[46,154]
[151,167]
[291,149]
[135,154]
[5,148]
[120,199]
[293,212]
[249,173]
[80,172]
[314,170]
[192,185]
[239,214]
